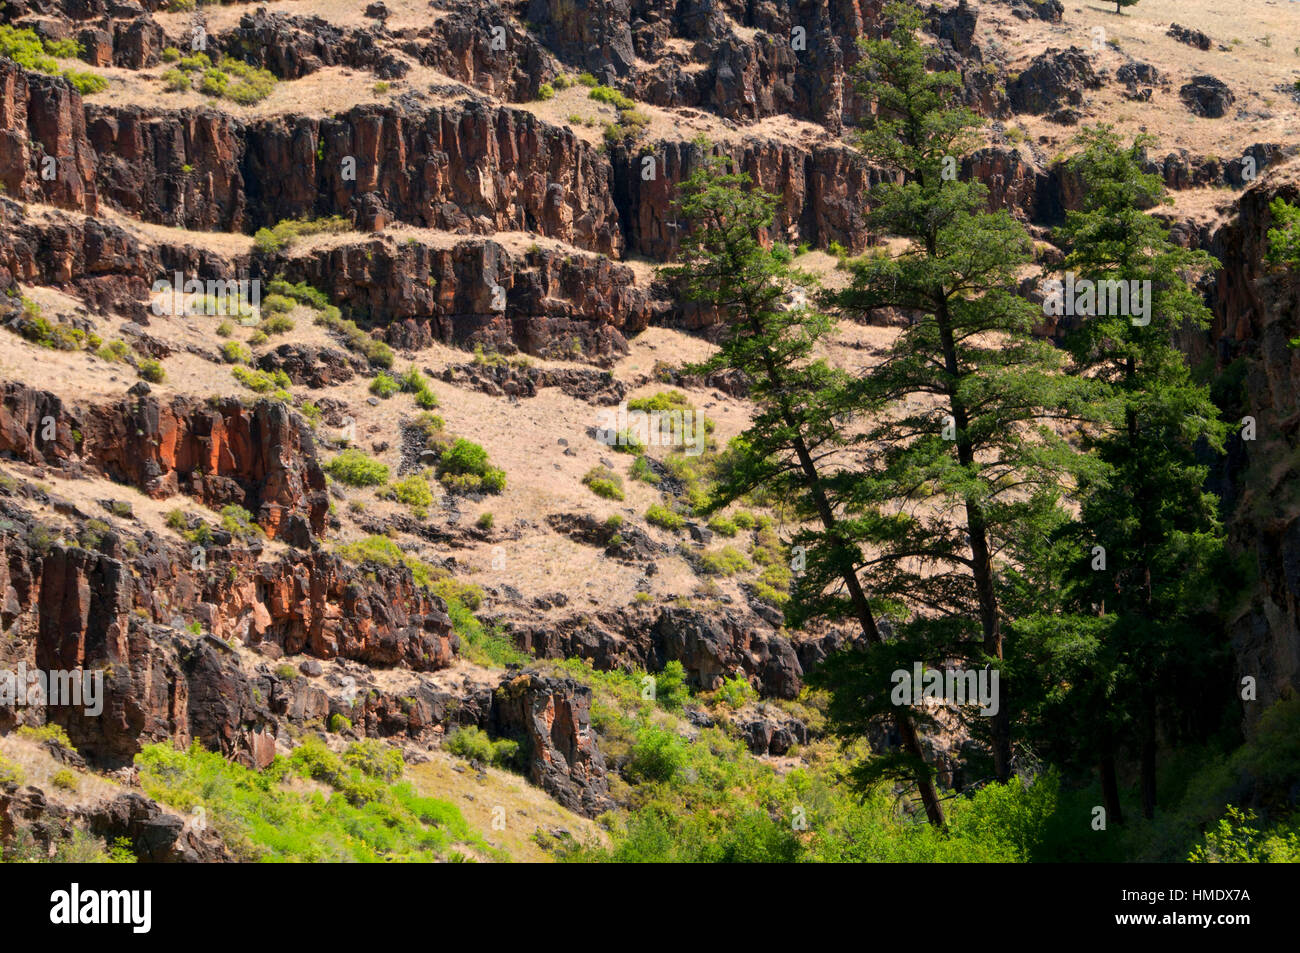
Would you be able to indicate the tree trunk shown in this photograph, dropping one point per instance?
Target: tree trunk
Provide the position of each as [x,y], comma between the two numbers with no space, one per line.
[1109,784]
[977,529]
[1148,754]
[906,730]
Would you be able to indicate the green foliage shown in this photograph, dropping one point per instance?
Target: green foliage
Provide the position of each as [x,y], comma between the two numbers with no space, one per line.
[355,468]
[277,304]
[375,351]
[177,80]
[735,692]
[1237,839]
[232,352]
[1284,239]
[726,561]
[464,466]
[277,324]
[384,386]
[657,755]
[641,470]
[65,780]
[50,732]
[604,482]
[472,743]
[545,91]
[240,523]
[274,382]
[670,685]
[413,490]
[384,552]
[723,526]
[301,292]
[11,773]
[660,515]
[363,816]
[237,81]
[151,371]
[283,234]
[28,50]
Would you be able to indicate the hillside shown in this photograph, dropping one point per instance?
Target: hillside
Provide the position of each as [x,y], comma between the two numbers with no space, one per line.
[316,315]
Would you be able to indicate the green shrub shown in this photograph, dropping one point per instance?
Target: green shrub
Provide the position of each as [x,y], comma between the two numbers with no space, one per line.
[64,780]
[115,351]
[545,91]
[726,561]
[374,759]
[464,466]
[735,692]
[586,79]
[277,324]
[657,755]
[1284,240]
[384,386]
[660,515]
[11,773]
[376,352]
[49,731]
[604,482]
[177,81]
[301,292]
[723,526]
[240,523]
[278,238]
[339,724]
[670,684]
[232,352]
[262,382]
[413,490]
[607,94]
[85,83]
[474,744]
[485,521]
[277,304]
[151,371]
[641,471]
[355,468]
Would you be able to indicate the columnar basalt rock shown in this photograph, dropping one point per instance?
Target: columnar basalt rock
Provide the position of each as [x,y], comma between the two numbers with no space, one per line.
[43,131]
[468,167]
[551,717]
[821,191]
[1257,312]
[417,294]
[262,458]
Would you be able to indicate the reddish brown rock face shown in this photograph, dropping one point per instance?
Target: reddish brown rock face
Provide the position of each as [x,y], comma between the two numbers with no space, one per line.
[125,617]
[42,117]
[262,458]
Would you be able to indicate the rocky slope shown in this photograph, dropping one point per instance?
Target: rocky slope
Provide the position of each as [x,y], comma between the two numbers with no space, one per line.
[471,194]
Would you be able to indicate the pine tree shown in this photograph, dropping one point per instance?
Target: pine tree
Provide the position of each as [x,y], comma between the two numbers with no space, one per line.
[966,468]
[789,448]
[1147,507]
